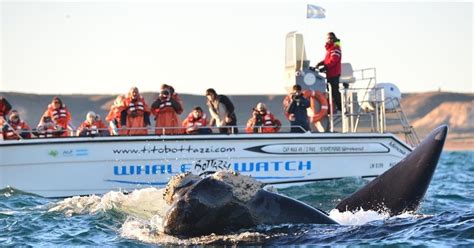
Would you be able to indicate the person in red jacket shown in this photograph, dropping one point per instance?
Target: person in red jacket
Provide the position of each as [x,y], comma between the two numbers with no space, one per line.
[262,121]
[113,117]
[166,109]
[136,115]
[5,107]
[196,122]
[92,126]
[14,127]
[59,113]
[332,66]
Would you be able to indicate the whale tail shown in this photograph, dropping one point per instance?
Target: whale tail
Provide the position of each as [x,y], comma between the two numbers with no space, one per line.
[402,187]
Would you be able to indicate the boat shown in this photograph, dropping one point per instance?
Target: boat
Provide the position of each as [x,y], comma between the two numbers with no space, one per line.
[337,147]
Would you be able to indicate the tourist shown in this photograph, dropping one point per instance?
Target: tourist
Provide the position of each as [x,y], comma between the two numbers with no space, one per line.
[262,121]
[222,112]
[196,122]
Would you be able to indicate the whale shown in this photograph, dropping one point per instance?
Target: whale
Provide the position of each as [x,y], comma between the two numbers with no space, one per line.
[226,201]
[402,187]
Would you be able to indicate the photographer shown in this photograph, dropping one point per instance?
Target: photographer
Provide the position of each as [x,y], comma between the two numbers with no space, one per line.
[295,105]
[166,109]
[262,121]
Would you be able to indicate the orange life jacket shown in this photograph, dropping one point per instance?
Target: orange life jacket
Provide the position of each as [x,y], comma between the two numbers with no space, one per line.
[60,116]
[192,124]
[135,116]
[12,131]
[94,129]
[167,117]
[269,124]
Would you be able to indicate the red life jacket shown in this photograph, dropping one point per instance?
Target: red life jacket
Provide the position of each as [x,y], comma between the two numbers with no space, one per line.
[192,125]
[269,124]
[16,128]
[94,129]
[332,61]
[137,106]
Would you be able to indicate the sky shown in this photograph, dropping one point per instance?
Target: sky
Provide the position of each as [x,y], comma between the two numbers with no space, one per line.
[235,47]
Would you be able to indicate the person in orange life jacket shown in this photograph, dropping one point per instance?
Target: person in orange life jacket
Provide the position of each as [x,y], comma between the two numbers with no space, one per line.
[48,129]
[222,111]
[196,122]
[5,108]
[59,114]
[92,126]
[166,109]
[14,127]
[136,115]
[262,121]
[332,66]
[113,117]
[295,105]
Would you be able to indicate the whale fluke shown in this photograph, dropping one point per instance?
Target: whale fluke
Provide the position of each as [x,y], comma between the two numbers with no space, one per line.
[402,187]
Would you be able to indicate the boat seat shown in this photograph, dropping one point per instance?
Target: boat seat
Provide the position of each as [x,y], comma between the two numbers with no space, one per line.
[347,74]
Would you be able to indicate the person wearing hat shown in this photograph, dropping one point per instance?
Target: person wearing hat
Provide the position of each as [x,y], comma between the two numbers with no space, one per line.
[59,113]
[262,121]
[222,112]
[135,116]
[332,66]
[166,109]
[196,122]
[92,126]
[14,127]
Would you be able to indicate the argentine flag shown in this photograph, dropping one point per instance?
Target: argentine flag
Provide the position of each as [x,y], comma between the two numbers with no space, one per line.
[315,12]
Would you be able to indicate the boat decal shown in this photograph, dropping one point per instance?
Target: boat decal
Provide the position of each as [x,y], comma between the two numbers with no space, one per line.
[320,148]
[135,182]
[167,149]
[56,153]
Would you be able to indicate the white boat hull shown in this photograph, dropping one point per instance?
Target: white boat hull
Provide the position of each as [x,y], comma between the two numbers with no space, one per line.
[82,166]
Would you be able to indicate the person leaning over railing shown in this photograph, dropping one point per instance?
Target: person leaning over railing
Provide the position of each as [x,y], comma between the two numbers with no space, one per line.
[262,121]
[14,128]
[196,122]
[92,126]
[222,113]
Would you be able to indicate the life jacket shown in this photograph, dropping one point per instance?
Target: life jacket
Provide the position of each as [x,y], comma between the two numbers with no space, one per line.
[11,133]
[332,60]
[193,125]
[60,116]
[269,124]
[138,106]
[88,129]
[136,123]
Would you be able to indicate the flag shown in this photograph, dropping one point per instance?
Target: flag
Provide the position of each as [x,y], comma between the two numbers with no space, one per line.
[314,11]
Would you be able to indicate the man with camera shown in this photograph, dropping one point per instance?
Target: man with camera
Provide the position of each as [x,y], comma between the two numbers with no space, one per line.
[295,105]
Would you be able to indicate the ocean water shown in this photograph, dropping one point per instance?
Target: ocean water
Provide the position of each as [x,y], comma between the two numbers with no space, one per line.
[445,218]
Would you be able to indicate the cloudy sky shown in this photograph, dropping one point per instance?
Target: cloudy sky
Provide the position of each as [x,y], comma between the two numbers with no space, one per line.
[235,47]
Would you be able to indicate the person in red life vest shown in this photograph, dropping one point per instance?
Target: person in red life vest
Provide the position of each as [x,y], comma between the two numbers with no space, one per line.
[48,128]
[262,121]
[196,122]
[332,66]
[14,128]
[5,108]
[136,115]
[92,126]
[113,118]
[166,109]
[59,113]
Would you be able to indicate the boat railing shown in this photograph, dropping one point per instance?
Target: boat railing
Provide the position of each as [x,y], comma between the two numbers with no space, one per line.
[366,108]
[159,131]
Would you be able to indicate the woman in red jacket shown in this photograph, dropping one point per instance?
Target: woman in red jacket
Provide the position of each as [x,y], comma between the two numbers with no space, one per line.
[59,113]
[135,117]
[332,66]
